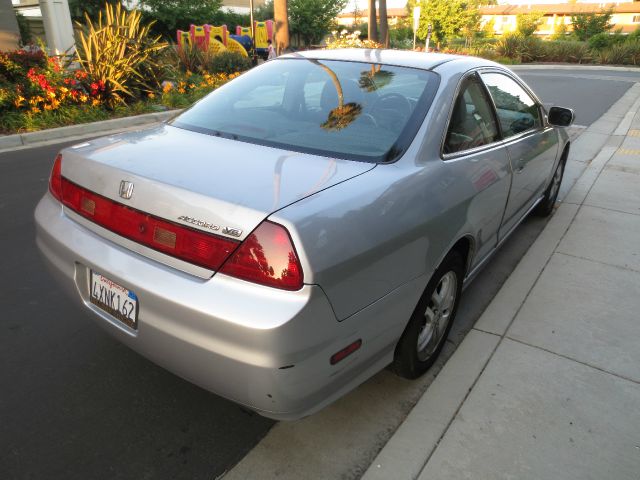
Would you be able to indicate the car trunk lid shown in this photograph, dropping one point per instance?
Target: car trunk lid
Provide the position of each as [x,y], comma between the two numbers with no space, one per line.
[216,185]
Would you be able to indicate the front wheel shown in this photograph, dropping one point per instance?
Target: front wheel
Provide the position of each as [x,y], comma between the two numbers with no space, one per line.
[431,321]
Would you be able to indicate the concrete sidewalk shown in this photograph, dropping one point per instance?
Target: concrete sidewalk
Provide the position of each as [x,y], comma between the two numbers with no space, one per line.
[547,384]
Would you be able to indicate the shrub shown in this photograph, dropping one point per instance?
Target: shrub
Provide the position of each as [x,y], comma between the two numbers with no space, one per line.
[604,40]
[520,48]
[115,49]
[635,35]
[532,49]
[566,51]
[509,45]
[192,59]
[528,23]
[14,65]
[345,39]
[188,57]
[627,53]
[228,62]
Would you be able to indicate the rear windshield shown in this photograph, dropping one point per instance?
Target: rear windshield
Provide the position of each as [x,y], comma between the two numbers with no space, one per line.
[352,110]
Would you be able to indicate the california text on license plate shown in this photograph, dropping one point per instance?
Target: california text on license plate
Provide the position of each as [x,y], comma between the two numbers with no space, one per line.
[114,299]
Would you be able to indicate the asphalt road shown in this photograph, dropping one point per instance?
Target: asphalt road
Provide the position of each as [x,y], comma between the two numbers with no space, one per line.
[76,404]
[589,92]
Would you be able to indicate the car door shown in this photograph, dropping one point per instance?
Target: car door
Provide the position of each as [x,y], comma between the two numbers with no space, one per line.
[531,144]
[473,153]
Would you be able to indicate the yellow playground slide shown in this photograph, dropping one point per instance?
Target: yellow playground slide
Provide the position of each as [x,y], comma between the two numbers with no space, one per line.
[234,46]
[216,46]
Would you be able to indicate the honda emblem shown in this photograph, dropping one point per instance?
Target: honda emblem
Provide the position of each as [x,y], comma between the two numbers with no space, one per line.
[126,189]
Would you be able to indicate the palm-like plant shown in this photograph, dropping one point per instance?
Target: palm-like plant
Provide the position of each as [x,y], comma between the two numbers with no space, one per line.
[116,49]
[344,114]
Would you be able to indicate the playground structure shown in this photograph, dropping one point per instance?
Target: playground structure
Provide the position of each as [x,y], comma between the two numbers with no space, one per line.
[218,38]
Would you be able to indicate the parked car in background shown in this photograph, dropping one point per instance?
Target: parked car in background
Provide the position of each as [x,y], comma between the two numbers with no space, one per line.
[308,223]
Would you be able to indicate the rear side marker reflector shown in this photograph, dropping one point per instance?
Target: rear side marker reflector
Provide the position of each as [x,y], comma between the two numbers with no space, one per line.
[193,246]
[345,352]
[164,237]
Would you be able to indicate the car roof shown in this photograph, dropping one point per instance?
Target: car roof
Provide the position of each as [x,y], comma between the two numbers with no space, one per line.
[403,58]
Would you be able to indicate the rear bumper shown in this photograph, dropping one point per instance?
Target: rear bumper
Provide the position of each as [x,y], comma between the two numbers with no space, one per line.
[261,347]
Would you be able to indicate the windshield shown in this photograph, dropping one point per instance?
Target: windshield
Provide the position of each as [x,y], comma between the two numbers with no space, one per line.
[352,110]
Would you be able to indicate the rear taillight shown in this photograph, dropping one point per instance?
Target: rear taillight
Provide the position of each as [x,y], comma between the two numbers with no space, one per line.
[55,180]
[267,257]
[190,245]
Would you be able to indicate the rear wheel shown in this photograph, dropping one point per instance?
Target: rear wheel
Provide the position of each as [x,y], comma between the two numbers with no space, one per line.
[431,321]
[545,207]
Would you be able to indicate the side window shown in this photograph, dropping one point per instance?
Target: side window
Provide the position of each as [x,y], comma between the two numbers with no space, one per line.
[472,122]
[517,111]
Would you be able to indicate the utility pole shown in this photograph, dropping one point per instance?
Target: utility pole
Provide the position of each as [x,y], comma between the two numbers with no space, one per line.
[57,26]
[416,22]
[254,55]
[9,31]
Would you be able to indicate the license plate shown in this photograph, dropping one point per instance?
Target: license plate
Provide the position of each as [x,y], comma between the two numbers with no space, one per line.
[114,299]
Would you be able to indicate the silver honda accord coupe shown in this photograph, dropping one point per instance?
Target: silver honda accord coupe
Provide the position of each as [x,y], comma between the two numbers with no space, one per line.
[305,225]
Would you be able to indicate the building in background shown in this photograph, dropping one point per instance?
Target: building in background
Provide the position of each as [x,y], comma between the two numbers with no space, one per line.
[626,15]
[240,6]
[349,18]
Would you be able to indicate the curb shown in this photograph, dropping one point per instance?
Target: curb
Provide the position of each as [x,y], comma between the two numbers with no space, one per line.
[576,66]
[410,448]
[31,139]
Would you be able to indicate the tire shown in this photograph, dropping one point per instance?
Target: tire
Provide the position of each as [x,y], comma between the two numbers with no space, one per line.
[425,335]
[545,207]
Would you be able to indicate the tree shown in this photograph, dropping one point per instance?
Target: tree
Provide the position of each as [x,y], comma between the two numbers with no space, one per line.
[384,23]
[171,15]
[586,25]
[373,22]
[471,25]
[447,17]
[263,12]
[281,20]
[528,23]
[344,114]
[78,8]
[311,20]
[357,14]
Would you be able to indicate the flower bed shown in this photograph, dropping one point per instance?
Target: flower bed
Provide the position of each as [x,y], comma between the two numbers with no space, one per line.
[36,92]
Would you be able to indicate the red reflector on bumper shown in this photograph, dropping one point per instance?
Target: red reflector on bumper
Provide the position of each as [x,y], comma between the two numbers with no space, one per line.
[345,352]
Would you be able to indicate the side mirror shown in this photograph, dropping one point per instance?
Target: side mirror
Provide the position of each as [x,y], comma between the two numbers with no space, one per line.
[560,116]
